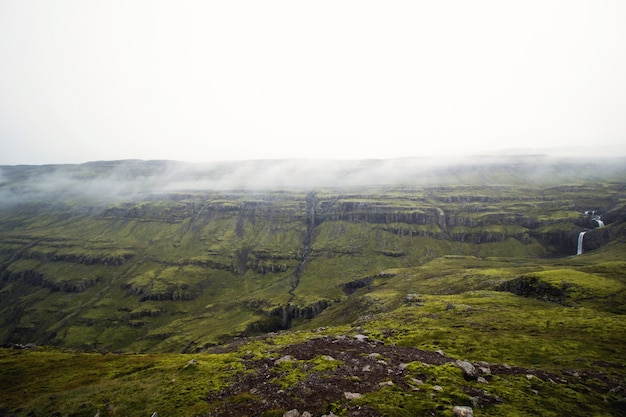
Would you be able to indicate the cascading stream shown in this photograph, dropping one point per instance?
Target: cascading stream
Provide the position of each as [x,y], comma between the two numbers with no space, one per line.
[581,235]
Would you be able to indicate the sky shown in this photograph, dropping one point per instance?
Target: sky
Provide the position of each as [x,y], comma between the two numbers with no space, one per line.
[200,81]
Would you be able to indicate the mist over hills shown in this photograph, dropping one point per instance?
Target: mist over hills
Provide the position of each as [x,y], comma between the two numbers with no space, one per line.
[129,179]
[283,278]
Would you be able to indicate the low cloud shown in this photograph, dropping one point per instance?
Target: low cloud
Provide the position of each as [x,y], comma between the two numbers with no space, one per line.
[132,179]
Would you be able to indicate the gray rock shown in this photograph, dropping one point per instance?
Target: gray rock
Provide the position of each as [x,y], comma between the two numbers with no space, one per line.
[292,413]
[286,358]
[477,401]
[468,369]
[361,338]
[306,414]
[462,411]
[438,388]
[352,395]
[482,380]
[485,370]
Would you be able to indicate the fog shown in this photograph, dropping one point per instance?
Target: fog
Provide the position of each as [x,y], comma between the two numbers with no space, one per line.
[129,180]
[85,80]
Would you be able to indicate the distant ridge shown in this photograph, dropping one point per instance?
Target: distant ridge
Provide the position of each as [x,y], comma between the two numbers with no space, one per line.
[128,178]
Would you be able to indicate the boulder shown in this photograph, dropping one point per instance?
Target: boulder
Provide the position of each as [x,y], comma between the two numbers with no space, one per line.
[462,411]
[468,369]
[352,395]
[286,358]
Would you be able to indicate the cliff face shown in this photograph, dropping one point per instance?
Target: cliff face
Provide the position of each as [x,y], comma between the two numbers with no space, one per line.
[169,269]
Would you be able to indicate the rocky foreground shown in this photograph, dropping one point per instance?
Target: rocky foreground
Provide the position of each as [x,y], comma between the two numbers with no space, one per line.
[338,372]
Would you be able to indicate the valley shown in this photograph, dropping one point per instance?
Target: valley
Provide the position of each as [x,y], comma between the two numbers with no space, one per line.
[191,297]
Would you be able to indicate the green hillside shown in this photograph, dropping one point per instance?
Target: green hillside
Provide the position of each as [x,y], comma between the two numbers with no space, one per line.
[153,296]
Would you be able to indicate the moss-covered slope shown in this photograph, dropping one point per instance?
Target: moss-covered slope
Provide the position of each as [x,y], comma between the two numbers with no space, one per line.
[130,297]
[174,272]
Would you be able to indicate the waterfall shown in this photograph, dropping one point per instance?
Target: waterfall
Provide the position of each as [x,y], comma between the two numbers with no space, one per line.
[580,243]
[595,217]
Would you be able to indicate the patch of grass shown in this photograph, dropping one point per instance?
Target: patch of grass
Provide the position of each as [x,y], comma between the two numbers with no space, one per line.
[131,385]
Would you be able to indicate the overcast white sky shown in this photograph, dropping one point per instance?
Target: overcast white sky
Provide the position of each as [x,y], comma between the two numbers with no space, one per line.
[84,80]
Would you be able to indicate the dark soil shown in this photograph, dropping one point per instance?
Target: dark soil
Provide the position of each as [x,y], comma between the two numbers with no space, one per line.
[366,364]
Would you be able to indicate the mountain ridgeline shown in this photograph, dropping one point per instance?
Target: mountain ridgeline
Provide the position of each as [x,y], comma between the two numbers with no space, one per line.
[147,257]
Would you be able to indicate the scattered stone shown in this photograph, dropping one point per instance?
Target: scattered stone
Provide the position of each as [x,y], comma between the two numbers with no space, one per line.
[155,414]
[403,366]
[381,363]
[438,388]
[529,376]
[306,414]
[462,411]
[468,369]
[481,380]
[280,391]
[361,338]
[352,395]
[330,415]
[417,381]
[440,352]
[192,362]
[485,370]
[292,413]
[366,368]
[286,358]
[328,358]
[386,383]
[26,346]
[374,355]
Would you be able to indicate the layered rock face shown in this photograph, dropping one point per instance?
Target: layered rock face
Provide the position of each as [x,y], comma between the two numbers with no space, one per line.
[215,264]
